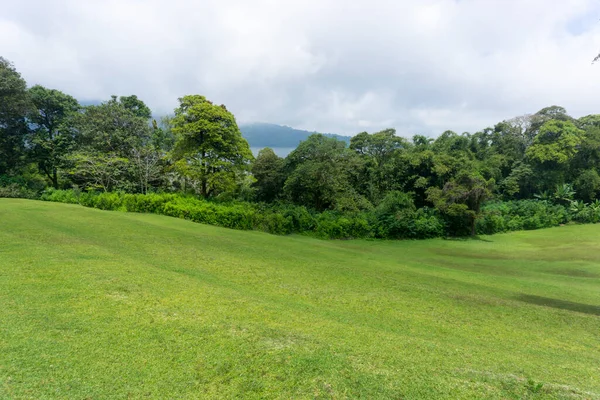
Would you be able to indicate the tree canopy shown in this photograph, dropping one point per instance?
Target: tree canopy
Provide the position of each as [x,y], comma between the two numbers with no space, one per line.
[209,148]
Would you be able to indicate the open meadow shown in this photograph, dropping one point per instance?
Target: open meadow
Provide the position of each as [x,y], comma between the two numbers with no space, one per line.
[97,304]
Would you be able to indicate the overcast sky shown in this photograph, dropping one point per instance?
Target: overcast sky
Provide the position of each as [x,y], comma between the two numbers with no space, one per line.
[340,66]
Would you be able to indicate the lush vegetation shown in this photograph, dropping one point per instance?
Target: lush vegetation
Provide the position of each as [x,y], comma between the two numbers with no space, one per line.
[124,305]
[528,172]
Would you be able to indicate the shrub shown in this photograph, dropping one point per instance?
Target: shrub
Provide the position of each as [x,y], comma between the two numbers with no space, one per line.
[521,214]
[395,217]
[426,224]
[60,196]
[14,190]
[333,225]
[276,223]
[20,187]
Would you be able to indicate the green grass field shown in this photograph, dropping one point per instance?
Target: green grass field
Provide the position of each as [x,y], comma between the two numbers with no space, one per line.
[97,305]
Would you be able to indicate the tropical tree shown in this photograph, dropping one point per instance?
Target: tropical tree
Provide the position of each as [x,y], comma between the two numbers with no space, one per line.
[114,147]
[209,148]
[462,197]
[384,166]
[136,106]
[587,185]
[269,174]
[319,174]
[14,106]
[52,134]
[553,149]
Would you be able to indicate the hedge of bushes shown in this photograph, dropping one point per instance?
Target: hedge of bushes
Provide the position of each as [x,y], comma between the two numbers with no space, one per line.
[521,214]
[279,218]
[395,218]
[17,187]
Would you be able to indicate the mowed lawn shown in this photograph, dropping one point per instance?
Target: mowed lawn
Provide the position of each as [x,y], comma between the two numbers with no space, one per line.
[97,305]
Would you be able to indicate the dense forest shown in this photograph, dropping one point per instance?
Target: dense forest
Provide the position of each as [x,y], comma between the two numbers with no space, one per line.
[528,172]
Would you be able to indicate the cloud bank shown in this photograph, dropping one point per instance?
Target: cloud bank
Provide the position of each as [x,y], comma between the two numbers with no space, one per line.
[327,65]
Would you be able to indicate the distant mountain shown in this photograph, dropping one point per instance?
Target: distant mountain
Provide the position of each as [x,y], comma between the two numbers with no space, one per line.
[86,103]
[261,135]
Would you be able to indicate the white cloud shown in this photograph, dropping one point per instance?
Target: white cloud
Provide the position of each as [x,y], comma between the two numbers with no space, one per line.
[327,65]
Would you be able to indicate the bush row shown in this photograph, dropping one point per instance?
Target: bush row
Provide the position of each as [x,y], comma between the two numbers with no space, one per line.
[521,214]
[395,218]
[279,218]
[16,187]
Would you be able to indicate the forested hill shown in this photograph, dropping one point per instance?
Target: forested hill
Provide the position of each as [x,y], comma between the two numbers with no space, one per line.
[272,135]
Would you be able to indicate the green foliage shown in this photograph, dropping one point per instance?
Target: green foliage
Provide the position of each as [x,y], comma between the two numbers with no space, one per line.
[564,194]
[587,185]
[319,173]
[115,149]
[27,185]
[111,128]
[209,148]
[557,142]
[584,212]
[136,106]
[52,135]
[396,217]
[383,166]
[333,225]
[278,218]
[521,214]
[14,106]
[520,182]
[461,198]
[269,174]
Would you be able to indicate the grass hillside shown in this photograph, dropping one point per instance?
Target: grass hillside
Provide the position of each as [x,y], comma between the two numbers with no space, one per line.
[97,304]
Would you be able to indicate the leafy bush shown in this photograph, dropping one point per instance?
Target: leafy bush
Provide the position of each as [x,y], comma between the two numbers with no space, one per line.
[14,190]
[395,217]
[585,213]
[276,223]
[521,214]
[334,225]
[426,224]
[19,187]
[60,196]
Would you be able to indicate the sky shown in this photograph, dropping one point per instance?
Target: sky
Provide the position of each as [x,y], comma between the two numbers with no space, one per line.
[338,66]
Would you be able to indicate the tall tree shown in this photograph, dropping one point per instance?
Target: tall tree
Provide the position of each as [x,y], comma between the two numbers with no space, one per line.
[209,147]
[52,134]
[462,197]
[546,114]
[553,149]
[114,149]
[269,174]
[14,106]
[383,167]
[136,106]
[319,172]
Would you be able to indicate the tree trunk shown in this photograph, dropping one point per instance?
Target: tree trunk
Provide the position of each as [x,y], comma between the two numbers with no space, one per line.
[204,187]
[55,178]
[204,183]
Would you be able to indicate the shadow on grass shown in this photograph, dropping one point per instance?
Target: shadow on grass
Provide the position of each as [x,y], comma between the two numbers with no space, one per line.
[467,239]
[575,272]
[561,304]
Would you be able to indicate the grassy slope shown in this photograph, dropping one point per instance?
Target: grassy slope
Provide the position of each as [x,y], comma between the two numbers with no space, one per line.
[97,304]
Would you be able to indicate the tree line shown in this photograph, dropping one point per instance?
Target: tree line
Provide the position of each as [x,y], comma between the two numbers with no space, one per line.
[50,141]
